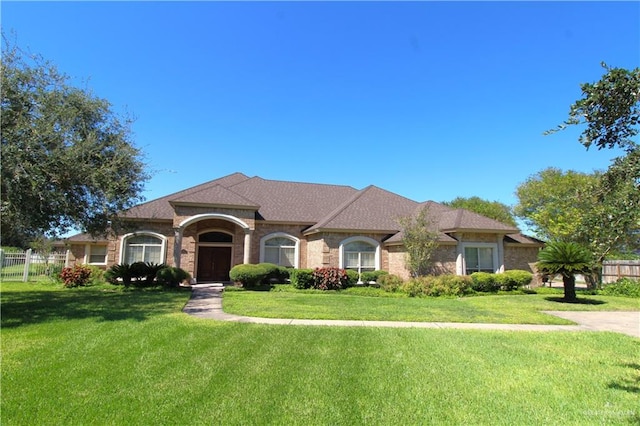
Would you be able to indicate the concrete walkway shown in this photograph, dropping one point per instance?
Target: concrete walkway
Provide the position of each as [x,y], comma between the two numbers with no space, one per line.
[206,302]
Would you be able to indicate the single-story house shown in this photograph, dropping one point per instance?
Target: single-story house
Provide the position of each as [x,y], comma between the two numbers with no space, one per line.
[209,228]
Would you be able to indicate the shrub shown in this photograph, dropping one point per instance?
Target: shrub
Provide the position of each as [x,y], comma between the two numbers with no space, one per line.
[329,278]
[515,279]
[274,274]
[120,273]
[150,272]
[77,276]
[484,282]
[249,275]
[373,276]
[390,283]
[97,274]
[449,285]
[352,277]
[301,278]
[624,287]
[170,276]
[441,285]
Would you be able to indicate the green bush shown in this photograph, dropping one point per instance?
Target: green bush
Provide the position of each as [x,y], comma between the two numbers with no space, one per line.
[274,274]
[329,278]
[390,283]
[508,281]
[515,279]
[369,276]
[301,278]
[624,287]
[249,275]
[119,274]
[352,277]
[484,282]
[441,285]
[170,276]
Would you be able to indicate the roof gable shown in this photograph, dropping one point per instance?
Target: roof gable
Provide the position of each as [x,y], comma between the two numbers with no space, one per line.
[372,209]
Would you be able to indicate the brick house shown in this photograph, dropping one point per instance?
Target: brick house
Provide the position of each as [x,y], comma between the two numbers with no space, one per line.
[209,228]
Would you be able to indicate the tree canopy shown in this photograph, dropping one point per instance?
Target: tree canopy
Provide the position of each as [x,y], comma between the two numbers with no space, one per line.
[610,108]
[601,211]
[491,209]
[68,160]
[554,204]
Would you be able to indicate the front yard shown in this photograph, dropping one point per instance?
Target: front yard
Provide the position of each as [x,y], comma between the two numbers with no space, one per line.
[107,356]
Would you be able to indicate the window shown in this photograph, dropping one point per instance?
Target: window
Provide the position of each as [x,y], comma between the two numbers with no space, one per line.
[360,254]
[97,255]
[215,237]
[279,249]
[479,259]
[143,248]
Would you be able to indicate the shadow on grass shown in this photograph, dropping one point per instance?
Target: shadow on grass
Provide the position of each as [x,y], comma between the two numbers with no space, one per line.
[628,384]
[32,307]
[578,301]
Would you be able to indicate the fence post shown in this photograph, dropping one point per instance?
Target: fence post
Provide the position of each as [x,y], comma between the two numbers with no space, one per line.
[67,258]
[27,262]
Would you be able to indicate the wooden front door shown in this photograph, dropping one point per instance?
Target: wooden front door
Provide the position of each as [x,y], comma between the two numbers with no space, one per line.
[214,264]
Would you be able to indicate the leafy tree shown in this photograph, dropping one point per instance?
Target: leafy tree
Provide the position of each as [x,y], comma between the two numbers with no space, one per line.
[610,108]
[555,203]
[67,158]
[491,209]
[420,239]
[566,259]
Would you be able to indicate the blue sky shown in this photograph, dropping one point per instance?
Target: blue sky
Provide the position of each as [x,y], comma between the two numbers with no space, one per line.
[431,100]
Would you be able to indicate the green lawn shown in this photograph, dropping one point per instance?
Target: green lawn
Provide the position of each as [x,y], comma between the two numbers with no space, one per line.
[503,309]
[104,356]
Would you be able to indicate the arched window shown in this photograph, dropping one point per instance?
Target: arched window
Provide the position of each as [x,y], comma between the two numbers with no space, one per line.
[143,248]
[280,249]
[360,254]
[215,237]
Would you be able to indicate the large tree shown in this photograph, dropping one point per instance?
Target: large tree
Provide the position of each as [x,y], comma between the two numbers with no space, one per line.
[491,209]
[610,110]
[68,160]
[554,204]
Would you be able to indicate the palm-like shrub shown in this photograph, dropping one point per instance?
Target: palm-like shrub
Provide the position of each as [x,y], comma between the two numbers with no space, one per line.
[566,259]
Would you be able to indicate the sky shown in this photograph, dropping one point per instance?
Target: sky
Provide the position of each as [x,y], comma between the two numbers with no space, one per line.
[430,100]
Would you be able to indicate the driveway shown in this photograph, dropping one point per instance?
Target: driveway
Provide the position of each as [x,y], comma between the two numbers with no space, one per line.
[619,322]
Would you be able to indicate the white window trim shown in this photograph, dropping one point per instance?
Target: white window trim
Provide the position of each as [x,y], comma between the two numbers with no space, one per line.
[163,247]
[296,241]
[494,246]
[87,254]
[368,240]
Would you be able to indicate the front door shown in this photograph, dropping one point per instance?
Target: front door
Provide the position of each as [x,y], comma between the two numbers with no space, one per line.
[214,264]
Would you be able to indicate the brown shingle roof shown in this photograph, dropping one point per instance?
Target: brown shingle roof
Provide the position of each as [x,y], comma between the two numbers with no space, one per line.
[371,209]
[464,220]
[215,195]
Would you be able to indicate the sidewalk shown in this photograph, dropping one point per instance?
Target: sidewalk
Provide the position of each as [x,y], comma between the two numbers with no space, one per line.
[206,302]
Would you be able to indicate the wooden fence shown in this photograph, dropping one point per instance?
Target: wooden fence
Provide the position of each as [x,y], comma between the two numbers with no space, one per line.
[612,270]
[29,265]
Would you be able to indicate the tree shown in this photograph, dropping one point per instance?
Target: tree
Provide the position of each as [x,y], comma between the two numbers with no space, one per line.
[566,259]
[491,209]
[420,238]
[554,203]
[67,159]
[610,108]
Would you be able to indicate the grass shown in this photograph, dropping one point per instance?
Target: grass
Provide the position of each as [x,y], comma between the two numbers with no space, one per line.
[105,356]
[502,309]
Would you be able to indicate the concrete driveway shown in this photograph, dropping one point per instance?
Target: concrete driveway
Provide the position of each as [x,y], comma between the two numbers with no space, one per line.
[619,322]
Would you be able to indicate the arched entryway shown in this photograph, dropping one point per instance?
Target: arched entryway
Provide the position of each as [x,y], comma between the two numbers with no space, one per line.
[214,254]
[211,254]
